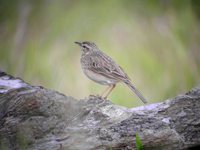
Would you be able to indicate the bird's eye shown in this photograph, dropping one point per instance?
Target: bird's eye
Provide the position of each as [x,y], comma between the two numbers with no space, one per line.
[84,46]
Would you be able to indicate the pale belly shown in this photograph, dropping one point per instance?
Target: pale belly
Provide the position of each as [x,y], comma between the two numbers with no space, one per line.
[99,78]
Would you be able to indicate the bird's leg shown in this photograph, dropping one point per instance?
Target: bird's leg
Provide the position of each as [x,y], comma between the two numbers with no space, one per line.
[109,89]
[105,91]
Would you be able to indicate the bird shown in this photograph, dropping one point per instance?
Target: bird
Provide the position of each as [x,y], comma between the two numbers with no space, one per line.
[102,69]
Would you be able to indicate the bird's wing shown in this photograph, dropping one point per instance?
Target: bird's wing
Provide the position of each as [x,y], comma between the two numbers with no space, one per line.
[102,64]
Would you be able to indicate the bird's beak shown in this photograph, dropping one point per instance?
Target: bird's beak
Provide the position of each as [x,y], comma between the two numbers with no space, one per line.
[79,43]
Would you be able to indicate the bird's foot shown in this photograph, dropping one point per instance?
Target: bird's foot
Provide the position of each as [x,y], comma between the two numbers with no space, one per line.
[98,96]
[95,96]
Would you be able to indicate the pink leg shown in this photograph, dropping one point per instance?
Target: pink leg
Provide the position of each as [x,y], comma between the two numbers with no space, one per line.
[109,89]
[105,91]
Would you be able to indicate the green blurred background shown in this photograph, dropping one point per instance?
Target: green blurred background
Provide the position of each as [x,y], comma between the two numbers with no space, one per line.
[157,43]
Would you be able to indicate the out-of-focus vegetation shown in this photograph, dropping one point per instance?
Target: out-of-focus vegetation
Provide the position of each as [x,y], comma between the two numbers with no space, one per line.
[157,43]
[138,142]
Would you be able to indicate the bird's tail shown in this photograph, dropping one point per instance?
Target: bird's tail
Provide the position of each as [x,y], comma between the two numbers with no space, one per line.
[133,88]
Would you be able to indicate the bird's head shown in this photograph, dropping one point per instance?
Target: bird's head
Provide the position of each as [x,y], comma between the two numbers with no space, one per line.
[87,46]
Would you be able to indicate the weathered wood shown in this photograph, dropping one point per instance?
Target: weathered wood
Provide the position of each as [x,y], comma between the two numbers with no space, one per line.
[35,118]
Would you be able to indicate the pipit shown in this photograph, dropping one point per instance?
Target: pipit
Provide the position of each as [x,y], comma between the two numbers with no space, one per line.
[102,69]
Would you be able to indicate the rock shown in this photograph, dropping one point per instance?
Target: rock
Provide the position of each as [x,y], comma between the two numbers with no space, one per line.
[35,118]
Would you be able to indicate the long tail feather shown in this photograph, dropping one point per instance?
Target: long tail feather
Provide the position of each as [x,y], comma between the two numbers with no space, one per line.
[133,88]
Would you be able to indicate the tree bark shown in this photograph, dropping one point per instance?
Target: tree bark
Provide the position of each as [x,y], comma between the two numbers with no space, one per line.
[35,118]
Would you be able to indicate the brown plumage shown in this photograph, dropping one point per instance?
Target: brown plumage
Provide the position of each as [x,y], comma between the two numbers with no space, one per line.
[101,68]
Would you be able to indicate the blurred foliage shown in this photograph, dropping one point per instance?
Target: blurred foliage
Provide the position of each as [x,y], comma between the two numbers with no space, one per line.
[139,145]
[156,42]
